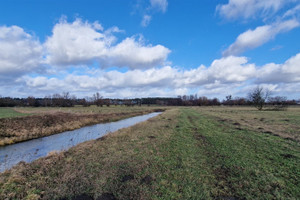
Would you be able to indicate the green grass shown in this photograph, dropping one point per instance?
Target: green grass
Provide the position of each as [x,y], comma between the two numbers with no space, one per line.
[182,154]
[210,159]
[10,112]
[248,164]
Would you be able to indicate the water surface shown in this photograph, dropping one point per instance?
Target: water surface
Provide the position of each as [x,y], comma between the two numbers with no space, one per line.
[31,150]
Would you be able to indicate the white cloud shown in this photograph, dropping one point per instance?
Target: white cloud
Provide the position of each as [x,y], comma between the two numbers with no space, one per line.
[20,52]
[134,54]
[222,72]
[79,42]
[257,37]
[153,7]
[82,43]
[287,72]
[247,9]
[146,20]
[110,82]
[292,12]
[227,75]
[161,5]
[225,70]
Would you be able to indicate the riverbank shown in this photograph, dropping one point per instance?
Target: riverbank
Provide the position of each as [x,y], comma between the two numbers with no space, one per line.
[184,153]
[48,121]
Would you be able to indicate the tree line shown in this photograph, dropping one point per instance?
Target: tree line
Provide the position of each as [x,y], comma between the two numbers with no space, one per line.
[258,97]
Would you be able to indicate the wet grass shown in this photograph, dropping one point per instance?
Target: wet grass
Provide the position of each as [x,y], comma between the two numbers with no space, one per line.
[9,113]
[185,153]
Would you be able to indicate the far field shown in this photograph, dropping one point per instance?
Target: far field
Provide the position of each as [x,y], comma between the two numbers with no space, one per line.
[184,153]
[10,112]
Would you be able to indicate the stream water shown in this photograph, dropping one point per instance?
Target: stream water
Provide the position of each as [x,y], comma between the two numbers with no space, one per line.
[31,150]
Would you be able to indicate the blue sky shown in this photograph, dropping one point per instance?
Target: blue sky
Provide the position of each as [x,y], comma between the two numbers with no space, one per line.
[141,48]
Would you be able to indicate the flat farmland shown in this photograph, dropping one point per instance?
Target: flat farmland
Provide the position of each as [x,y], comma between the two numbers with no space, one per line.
[184,153]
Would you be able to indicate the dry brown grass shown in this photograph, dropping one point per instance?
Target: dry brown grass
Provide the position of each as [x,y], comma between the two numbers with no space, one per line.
[115,164]
[13,130]
[285,124]
[185,153]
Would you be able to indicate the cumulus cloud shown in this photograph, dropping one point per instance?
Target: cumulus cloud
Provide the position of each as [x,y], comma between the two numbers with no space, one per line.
[75,43]
[247,9]
[287,72]
[83,43]
[112,82]
[225,70]
[234,75]
[135,54]
[20,52]
[259,36]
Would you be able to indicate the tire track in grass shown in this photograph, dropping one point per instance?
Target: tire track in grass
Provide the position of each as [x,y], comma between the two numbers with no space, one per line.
[219,177]
[246,164]
[184,175]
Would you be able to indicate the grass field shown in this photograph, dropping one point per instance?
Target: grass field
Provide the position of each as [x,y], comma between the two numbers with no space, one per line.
[10,112]
[185,153]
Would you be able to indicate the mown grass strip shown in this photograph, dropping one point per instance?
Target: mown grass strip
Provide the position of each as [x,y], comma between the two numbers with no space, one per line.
[9,113]
[184,173]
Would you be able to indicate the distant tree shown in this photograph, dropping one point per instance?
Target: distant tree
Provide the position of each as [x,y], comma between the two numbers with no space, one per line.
[98,99]
[278,102]
[228,100]
[106,102]
[240,101]
[185,98]
[215,102]
[67,99]
[57,100]
[202,101]
[258,97]
[84,102]
[31,101]
[47,101]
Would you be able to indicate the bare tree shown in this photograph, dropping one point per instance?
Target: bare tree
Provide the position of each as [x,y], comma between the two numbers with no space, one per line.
[258,97]
[31,101]
[278,102]
[98,99]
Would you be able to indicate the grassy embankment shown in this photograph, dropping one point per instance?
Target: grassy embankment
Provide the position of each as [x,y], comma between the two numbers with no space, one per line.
[48,121]
[186,153]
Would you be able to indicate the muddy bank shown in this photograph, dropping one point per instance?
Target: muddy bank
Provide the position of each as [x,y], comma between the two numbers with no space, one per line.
[13,130]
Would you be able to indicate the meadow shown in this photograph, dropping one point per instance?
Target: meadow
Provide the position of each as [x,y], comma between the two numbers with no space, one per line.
[184,153]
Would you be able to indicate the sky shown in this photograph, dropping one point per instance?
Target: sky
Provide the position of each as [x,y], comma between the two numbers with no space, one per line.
[149,48]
